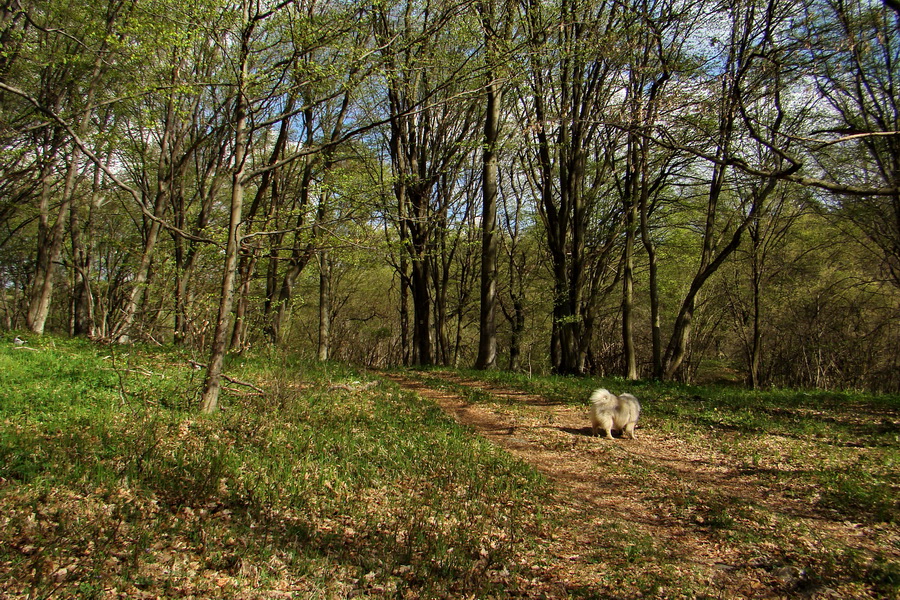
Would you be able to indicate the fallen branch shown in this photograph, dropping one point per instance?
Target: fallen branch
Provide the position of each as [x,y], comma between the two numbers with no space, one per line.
[197,365]
[243,393]
[353,387]
[139,371]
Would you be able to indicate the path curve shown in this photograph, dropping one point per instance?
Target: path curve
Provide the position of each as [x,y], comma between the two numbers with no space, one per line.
[639,489]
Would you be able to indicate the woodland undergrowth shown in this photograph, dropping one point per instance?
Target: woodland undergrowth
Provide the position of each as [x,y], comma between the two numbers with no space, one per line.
[332,482]
[328,484]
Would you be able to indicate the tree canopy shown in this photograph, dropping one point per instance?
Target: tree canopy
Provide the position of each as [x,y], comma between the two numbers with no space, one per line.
[651,188]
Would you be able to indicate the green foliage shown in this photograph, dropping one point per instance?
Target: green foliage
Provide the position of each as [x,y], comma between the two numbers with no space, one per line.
[149,87]
[324,483]
[48,377]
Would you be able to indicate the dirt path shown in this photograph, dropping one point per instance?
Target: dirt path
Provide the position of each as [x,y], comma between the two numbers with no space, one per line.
[657,505]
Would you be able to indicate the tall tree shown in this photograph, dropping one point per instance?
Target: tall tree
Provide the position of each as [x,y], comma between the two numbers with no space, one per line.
[496,25]
[262,77]
[519,246]
[655,35]
[571,83]
[428,130]
[856,61]
[250,18]
[749,75]
[71,82]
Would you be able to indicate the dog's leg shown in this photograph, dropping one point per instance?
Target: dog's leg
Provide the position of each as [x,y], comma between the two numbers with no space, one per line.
[629,431]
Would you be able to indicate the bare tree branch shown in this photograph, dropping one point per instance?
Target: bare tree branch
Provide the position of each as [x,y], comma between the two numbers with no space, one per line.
[135,194]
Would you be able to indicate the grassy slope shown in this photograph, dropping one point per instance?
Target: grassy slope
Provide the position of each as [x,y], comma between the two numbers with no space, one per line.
[112,485]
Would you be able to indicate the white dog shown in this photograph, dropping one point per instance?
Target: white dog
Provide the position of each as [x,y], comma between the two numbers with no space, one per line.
[609,412]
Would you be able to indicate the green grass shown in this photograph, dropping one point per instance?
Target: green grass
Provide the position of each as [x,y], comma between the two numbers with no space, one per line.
[111,482]
[835,453]
[311,488]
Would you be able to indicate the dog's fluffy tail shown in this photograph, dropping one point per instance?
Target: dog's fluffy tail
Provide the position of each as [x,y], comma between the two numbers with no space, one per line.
[604,399]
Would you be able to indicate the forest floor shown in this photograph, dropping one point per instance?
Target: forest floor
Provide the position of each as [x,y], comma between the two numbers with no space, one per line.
[338,483]
[665,507]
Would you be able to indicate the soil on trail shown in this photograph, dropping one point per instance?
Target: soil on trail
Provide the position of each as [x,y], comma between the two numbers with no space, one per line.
[645,503]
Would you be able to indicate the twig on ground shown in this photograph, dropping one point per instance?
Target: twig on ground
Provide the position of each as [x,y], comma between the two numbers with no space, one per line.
[243,393]
[353,387]
[197,365]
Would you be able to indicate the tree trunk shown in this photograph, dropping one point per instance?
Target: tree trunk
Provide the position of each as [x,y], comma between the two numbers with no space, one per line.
[681,330]
[442,352]
[324,305]
[756,341]
[487,317]
[630,354]
[487,321]
[50,240]
[299,259]
[268,189]
[239,341]
[405,346]
[278,297]
[421,311]
[82,258]
[209,183]
[213,382]
[120,330]
[653,284]
[518,328]
[709,264]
